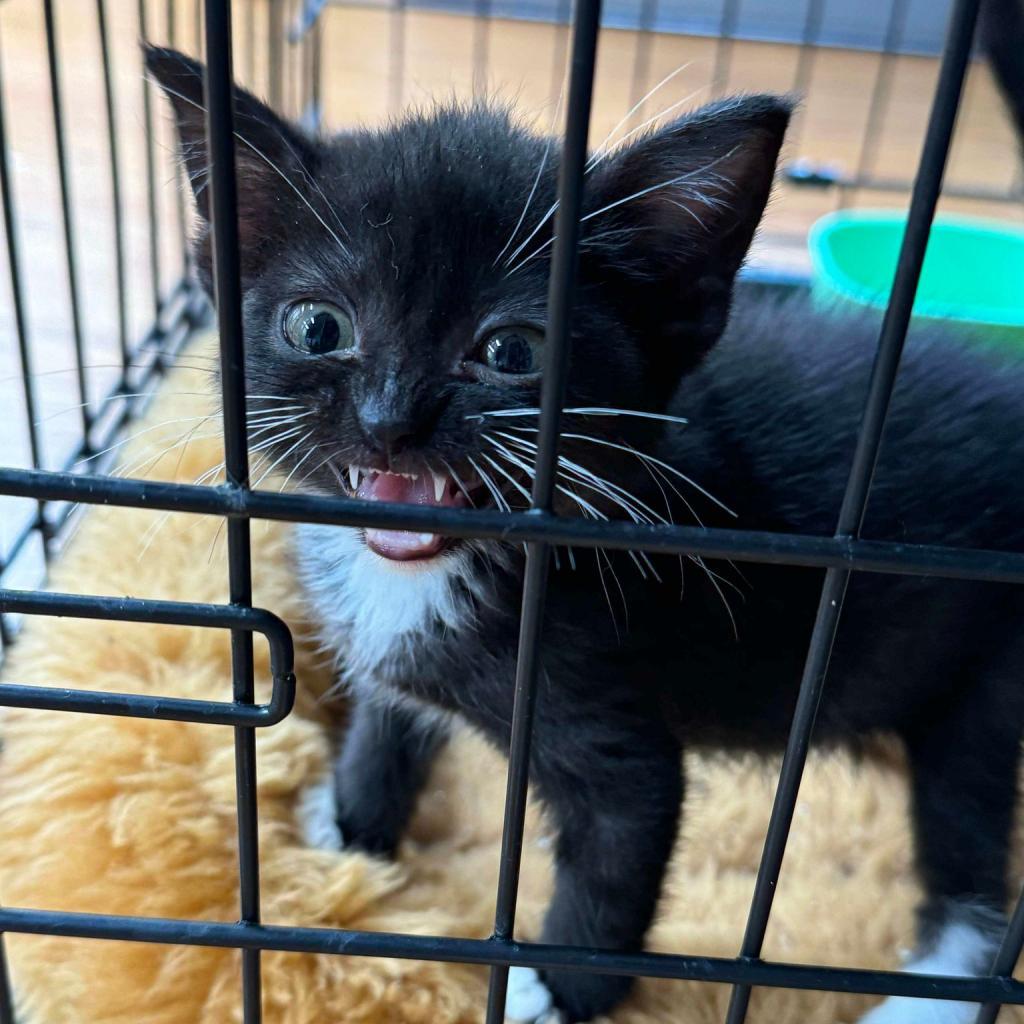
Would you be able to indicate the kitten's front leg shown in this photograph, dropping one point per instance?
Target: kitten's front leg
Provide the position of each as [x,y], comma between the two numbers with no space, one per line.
[616,804]
[385,759]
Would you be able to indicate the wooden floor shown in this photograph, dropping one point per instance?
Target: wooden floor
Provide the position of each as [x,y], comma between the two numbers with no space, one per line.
[373,59]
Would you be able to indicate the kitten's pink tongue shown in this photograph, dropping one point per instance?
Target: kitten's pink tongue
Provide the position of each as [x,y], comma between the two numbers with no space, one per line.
[400,544]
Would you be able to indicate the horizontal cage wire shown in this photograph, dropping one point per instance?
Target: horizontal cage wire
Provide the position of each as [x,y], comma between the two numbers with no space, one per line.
[281,47]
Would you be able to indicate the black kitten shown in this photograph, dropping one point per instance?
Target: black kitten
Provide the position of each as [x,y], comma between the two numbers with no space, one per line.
[395,288]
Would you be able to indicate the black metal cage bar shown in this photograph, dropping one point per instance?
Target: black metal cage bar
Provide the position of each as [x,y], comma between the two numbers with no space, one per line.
[220,143]
[540,528]
[241,619]
[855,499]
[151,184]
[561,289]
[70,249]
[39,523]
[115,185]
[741,545]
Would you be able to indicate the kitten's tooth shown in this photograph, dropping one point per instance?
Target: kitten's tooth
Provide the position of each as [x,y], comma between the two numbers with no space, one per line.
[440,483]
[353,477]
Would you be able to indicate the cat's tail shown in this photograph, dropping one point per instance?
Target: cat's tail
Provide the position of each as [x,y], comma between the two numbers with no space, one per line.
[1001,34]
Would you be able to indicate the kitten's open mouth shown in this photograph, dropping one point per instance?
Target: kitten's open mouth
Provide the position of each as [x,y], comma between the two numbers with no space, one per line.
[426,488]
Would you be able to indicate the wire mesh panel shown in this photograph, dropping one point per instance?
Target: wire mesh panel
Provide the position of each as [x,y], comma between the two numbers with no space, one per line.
[50,488]
[89,340]
[864,75]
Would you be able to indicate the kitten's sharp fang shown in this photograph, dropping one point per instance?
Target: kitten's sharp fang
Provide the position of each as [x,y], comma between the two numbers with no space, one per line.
[353,478]
[440,485]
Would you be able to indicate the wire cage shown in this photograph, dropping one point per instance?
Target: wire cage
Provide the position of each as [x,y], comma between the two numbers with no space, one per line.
[137,257]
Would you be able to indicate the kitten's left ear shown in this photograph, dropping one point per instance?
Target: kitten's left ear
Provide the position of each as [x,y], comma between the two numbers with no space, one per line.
[674,213]
[269,152]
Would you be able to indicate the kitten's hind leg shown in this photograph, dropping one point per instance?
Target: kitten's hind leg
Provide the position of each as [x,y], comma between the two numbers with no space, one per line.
[963,764]
[385,759]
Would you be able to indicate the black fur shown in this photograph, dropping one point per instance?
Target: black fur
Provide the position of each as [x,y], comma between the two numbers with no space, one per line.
[633,676]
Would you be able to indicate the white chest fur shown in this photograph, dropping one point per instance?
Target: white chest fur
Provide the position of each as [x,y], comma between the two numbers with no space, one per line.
[372,613]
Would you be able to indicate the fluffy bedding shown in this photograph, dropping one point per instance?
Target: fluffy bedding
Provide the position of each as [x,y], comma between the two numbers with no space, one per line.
[120,816]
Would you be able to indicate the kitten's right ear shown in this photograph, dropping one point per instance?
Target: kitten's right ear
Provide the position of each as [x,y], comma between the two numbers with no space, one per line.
[670,217]
[268,151]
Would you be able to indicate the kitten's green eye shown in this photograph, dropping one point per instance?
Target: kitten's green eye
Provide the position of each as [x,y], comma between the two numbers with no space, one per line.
[318,328]
[513,350]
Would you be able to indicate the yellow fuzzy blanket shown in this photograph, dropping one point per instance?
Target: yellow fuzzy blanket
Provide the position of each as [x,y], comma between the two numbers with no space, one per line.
[119,816]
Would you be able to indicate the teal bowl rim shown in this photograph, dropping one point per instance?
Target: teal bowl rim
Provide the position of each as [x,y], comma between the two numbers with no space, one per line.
[827,271]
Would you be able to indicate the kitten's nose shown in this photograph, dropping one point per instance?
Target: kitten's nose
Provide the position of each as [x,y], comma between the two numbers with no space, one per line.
[385,429]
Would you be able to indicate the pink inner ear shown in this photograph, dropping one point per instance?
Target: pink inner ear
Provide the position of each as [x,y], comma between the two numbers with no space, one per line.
[265,199]
[723,191]
[707,175]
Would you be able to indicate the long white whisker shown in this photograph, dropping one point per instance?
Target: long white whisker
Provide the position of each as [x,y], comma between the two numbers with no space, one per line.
[128,396]
[679,180]
[643,456]
[658,475]
[595,158]
[638,509]
[150,535]
[638,558]
[184,449]
[533,234]
[281,459]
[149,460]
[586,410]
[536,180]
[276,439]
[335,451]
[208,474]
[116,396]
[625,604]
[713,579]
[273,398]
[175,364]
[458,482]
[657,117]
[547,216]
[277,170]
[295,468]
[508,476]
[185,440]
[490,485]
[273,420]
[597,154]
[585,507]
[140,433]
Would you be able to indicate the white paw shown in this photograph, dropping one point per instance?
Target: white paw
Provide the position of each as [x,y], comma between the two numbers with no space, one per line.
[901,1010]
[960,949]
[317,816]
[527,999]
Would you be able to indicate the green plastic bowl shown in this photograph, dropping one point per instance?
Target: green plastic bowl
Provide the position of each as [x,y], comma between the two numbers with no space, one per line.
[973,269]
